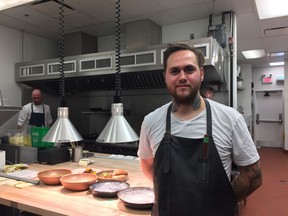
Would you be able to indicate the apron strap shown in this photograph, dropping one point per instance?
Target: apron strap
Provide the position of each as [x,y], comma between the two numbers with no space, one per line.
[167,141]
[209,118]
[32,111]
[168,119]
[32,107]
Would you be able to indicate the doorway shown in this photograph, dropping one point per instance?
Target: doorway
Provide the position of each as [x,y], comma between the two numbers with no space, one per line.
[268,116]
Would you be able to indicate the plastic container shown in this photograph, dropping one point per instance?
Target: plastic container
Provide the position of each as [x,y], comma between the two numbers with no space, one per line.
[37,134]
[15,137]
[27,135]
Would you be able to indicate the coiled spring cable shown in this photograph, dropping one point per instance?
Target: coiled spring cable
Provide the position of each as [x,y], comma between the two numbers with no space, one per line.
[117,97]
[61,53]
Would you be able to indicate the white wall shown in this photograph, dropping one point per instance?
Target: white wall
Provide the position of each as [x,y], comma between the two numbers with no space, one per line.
[17,46]
[10,52]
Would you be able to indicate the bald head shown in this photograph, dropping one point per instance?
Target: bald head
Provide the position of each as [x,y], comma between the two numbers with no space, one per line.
[36,97]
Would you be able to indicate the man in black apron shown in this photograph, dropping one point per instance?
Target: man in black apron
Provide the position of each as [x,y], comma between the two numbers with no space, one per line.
[206,190]
[188,175]
[37,119]
[28,116]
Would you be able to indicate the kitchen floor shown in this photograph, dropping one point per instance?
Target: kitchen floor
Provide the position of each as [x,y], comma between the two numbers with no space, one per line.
[271,199]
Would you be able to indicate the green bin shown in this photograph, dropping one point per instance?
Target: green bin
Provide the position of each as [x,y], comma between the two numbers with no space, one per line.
[37,134]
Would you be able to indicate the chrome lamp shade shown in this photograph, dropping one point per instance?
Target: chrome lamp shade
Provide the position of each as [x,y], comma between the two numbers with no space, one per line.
[62,130]
[117,130]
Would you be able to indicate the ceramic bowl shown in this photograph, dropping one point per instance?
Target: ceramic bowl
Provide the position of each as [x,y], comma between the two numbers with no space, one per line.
[78,181]
[52,177]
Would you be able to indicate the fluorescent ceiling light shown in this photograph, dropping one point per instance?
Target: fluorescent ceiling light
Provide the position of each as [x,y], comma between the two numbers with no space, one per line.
[276,54]
[5,4]
[271,8]
[252,54]
[276,63]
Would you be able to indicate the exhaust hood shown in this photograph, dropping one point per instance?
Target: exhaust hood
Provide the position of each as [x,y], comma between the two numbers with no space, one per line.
[141,68]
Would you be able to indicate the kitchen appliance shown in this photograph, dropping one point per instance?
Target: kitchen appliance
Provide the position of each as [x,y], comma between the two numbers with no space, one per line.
[62,130]
[54,155]
[19,154]
[91,145]
[141,68]
[4,139]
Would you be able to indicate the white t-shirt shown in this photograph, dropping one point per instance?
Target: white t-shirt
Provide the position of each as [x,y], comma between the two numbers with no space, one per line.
[229,130]
[25,114]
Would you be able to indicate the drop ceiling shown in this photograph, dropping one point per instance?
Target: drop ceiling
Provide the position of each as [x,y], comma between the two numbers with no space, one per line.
[97,18]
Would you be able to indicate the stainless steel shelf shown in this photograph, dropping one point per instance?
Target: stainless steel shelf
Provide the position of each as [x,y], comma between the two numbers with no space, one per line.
[6,112]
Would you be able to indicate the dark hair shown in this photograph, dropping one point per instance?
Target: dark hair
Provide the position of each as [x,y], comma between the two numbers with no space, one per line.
[182,46]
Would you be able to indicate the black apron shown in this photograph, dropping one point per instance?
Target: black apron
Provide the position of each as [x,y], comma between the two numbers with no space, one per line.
[189,177]
[37,119]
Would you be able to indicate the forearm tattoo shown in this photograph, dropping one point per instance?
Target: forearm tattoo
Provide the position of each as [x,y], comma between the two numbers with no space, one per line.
[249,180]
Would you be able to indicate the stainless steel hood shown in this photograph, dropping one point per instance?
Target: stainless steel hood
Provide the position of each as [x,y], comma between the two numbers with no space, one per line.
[141,68]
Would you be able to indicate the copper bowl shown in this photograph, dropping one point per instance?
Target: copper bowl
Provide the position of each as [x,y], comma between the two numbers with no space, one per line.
[78,181]
[52,177]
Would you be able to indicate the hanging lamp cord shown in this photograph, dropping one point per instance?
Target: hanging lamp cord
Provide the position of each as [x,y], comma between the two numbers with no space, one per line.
[61,54]
[117,97]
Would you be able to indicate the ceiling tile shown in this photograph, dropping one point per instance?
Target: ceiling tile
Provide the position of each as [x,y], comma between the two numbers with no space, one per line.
[27,15]
[80,20]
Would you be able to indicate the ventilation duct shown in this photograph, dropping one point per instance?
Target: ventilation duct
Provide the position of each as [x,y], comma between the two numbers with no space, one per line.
[142,33]
[141,68]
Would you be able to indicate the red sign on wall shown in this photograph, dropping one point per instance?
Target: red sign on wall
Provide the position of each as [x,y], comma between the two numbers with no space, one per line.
[267,80]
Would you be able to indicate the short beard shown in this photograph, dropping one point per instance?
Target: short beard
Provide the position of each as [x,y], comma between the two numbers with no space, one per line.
[195,103]
[37,103]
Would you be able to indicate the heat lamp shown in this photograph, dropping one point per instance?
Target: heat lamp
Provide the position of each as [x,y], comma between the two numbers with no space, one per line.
[117,130]
[62,130]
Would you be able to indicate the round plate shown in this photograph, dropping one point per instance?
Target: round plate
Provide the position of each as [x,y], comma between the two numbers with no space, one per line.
[108,188]
[137,197]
